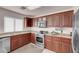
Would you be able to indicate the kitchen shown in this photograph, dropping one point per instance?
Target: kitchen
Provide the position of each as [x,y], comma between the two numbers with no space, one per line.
[45,29]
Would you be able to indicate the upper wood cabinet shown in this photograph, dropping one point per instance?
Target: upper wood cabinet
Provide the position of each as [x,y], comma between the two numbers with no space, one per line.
[56,20]
[67,22]
[50,21]
[35,22]
[63,19]
[28,22]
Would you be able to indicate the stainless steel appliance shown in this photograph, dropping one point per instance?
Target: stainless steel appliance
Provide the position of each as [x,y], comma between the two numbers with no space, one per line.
[4,44]
[42,23]
[75,33]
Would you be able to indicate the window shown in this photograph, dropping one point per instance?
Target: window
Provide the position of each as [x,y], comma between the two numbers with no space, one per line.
[18,25]
[12,24]
[8,24]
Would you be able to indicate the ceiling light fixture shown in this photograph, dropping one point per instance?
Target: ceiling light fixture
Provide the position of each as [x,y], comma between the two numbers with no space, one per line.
[33,7]
[23,7]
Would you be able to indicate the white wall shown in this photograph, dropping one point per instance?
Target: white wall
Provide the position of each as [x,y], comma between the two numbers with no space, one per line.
[3,13]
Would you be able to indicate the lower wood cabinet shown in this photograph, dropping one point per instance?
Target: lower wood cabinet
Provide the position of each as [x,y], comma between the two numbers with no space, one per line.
[14,43]
[17,41]
[32,38]
[48,42]
[58,44]
[26,39]
[66,45]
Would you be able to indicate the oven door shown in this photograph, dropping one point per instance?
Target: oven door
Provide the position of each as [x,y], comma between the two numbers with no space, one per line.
[39,39]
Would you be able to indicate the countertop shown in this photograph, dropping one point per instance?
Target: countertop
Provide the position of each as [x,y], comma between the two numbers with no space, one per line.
[24,32]
[60,35]
[11,34]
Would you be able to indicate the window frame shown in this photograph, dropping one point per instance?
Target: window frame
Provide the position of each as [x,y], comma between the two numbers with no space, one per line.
[14,30]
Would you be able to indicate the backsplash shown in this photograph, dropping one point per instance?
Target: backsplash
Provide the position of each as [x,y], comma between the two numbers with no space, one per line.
[65,30]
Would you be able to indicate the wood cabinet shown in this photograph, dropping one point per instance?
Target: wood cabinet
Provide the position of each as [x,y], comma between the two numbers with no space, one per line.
[14,44]
[26,38]
[35,22]
[48,42]
[28,22]
[56,20]
[63,19]
[19,40]
[58,44]
[50,21]
[67,22]
[32,38]
[66,45]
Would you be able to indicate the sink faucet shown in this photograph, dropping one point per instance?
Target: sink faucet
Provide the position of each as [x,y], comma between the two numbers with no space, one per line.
[61,31]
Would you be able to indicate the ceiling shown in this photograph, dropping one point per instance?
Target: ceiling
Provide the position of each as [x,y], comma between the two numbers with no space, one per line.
[40,11]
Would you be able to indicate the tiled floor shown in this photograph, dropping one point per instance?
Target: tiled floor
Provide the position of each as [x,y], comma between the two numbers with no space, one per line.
[31,48]
[47,51]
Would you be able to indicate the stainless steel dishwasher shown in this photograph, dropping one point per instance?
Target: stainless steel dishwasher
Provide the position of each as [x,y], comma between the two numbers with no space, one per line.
[4,44]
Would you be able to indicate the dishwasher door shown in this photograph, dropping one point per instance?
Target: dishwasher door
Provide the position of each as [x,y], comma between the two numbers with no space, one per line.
[5,45]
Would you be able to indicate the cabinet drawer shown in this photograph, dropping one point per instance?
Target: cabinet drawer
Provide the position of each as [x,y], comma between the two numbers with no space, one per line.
[66,40]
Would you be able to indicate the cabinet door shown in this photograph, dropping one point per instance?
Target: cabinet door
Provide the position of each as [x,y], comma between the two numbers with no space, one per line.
[35,22]
[49,21]
[66,45]
[14,44]
[21,40]
[48,42]
[57,44]
[32,37]
[26,38]
[53,43]
[68,19]
[56,20]
[29,22]
[65,48]
[61,20]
